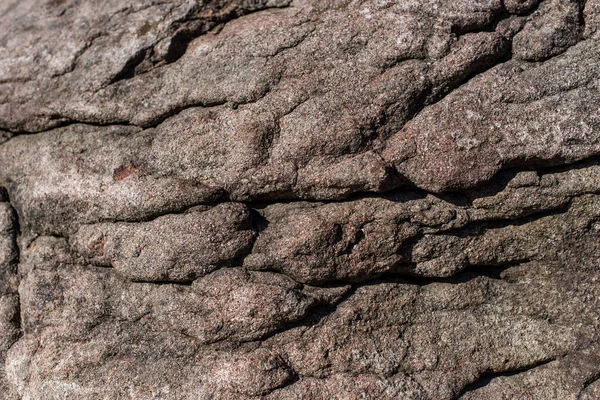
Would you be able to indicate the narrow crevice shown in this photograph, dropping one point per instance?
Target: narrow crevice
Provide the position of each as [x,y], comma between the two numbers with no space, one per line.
[485,378]
[440,91]
[588,382]
[499,182]
[198,22]
[395,194]
[295,44]
[314,315]
[459,199]
[581,19]
[469,273]
[13,269]
[479,227]
[184,36]
[161,118]
[63,122]
[320,312]
[129,69]
[194,26]
[504,55]
[166,282]
[404,276]
[153,216]
[16,232]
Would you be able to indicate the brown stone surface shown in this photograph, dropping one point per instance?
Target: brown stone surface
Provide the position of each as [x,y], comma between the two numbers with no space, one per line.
[300,199]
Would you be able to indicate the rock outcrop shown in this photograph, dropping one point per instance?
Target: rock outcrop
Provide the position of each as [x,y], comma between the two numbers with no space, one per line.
[300,199]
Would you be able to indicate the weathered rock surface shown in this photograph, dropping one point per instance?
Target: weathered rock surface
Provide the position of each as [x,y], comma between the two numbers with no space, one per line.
[300,199]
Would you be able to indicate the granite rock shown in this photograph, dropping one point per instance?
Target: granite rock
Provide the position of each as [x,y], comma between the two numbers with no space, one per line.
[299,199]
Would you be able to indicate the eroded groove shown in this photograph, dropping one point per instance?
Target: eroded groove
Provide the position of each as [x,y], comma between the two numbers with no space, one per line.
[315,315]
[9,283]
[63,122]
[500,58]
[487,377]
[196,23]
[129,69]
[589,382]
[476,228]
[501,179]
[318,314]
[467,274]
[168,283]
[503,56]
[459,199]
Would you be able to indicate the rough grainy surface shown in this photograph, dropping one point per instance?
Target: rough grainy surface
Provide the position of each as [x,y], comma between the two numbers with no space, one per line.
[300,199]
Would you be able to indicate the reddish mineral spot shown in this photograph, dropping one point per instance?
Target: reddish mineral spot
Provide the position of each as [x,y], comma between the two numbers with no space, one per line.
[124,171]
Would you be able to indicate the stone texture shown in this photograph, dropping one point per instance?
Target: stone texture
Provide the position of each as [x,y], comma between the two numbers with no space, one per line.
[10,329]
[170,248]
[299,199]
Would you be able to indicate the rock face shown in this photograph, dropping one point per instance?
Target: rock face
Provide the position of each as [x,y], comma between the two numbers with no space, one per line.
[300,199]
